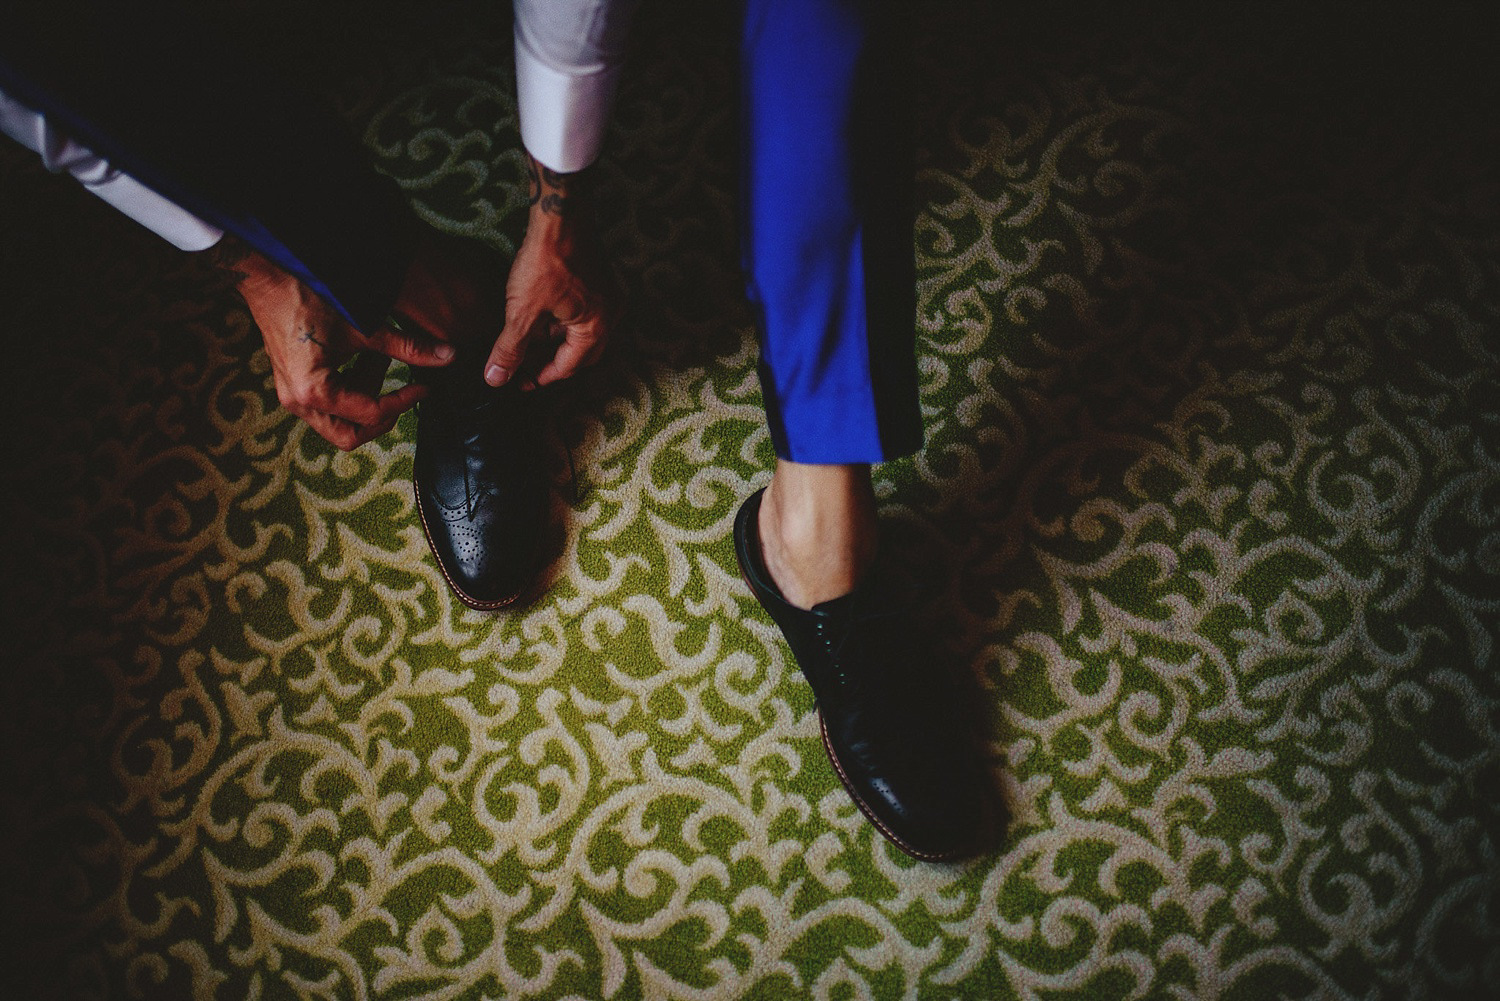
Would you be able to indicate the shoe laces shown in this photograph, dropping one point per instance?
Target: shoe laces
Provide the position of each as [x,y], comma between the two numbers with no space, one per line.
[475,417]
[485,409]
[870,608]
[574,496]
[492,407]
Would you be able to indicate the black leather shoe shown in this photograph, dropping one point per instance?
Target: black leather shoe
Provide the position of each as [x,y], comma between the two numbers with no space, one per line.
[891,720]
[480,482]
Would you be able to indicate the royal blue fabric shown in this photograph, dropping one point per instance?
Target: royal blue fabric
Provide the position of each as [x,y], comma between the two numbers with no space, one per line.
[826,228]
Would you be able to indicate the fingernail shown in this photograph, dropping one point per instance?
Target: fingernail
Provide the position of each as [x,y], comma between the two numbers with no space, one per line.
[444,352]
[495,375]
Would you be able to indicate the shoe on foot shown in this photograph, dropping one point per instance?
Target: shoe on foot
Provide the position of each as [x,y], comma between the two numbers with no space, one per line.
[892,723]
[480,483]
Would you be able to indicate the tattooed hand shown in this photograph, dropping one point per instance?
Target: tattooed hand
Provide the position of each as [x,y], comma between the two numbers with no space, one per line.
[558,286]
[307,341]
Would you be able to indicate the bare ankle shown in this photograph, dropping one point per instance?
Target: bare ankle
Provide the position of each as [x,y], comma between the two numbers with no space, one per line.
[818,530]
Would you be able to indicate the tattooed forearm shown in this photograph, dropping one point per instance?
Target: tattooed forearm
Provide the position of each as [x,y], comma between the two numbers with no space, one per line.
[554,193]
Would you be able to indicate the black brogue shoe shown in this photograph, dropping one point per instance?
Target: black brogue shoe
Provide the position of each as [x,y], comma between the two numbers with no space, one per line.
[480,483]
[891,720]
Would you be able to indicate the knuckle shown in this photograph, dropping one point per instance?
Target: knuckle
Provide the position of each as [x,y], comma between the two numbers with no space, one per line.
[506,355]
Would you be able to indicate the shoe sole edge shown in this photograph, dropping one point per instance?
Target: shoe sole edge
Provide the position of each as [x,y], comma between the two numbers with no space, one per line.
[741,546]
[458,592]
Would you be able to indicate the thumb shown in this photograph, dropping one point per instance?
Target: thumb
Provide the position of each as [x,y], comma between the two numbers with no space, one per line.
[406,341]
[510,347]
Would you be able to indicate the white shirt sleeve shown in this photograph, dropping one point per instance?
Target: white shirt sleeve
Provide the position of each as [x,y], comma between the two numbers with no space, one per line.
[568,59]
[163,217]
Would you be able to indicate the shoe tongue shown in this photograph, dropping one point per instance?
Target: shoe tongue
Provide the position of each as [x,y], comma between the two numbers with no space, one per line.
[840,614]
[460,385]
[836,608]
[466,369]
[864,615]
[871,596]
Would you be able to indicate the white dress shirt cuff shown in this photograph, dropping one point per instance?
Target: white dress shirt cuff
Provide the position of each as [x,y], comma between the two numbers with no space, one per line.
[162,216]
[563,113]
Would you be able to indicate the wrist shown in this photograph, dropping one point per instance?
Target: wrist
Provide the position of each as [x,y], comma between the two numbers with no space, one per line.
[242,263]
[557,200]
[542,224]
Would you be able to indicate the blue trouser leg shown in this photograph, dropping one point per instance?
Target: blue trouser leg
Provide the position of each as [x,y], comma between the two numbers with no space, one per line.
[827,227]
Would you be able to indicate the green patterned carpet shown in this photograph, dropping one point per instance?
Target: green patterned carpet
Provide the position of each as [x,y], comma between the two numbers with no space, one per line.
[1210,357]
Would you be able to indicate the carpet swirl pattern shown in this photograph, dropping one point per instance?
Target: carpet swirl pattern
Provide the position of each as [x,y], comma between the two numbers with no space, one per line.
[1210,509]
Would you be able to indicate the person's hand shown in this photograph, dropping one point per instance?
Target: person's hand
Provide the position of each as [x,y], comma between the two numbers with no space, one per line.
[308,341]
[558,287]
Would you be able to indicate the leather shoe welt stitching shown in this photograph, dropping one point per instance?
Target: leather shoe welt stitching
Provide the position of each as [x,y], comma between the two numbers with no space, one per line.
[838,767]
